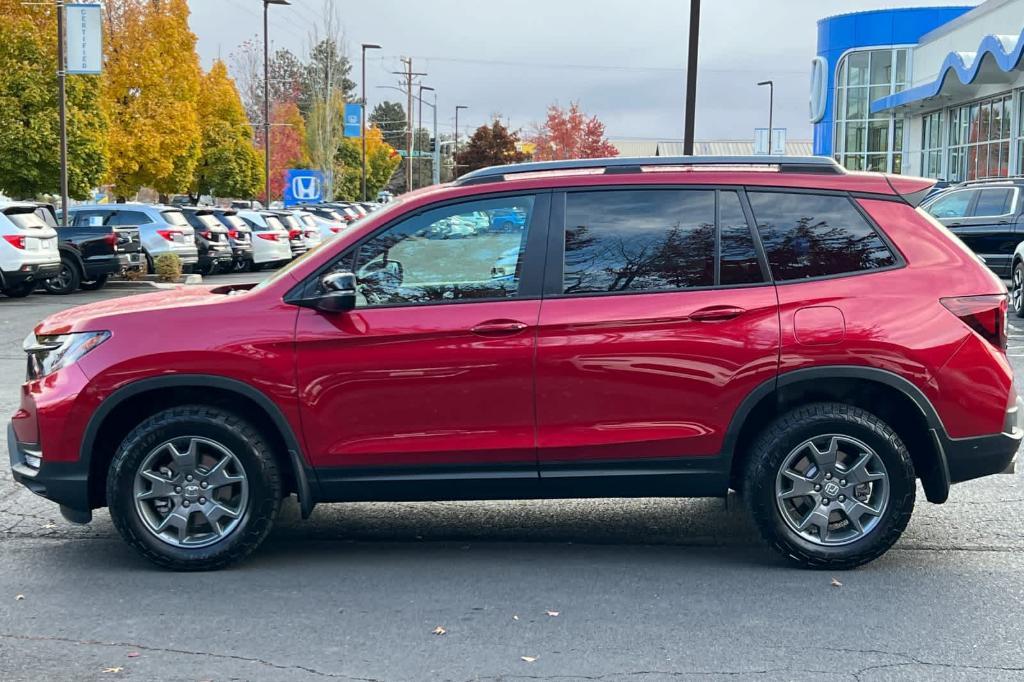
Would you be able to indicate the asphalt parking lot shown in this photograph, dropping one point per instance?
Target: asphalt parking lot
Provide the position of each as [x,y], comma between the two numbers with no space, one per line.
[650,589]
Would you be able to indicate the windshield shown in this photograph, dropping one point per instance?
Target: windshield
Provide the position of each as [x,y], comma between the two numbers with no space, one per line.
[233,222]
[174,218]
[309,220]
[290,222]
[26,220]
[273,223]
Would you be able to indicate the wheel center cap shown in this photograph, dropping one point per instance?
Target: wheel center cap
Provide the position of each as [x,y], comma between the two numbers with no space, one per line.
[831,488]
[191,491]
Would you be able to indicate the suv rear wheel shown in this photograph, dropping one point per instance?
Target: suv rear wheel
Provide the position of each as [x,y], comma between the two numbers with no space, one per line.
[830,486]
[1017,289]
[194,488]
[20,290]
[66,281]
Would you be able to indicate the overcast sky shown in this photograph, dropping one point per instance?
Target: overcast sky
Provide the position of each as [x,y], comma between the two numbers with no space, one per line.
[624,61]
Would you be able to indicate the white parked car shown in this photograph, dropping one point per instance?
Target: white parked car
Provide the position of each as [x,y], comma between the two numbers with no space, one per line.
[270,247]
[324,227]
[28,249]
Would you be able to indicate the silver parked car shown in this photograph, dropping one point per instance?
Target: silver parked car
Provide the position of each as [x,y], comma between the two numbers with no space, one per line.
[163,229]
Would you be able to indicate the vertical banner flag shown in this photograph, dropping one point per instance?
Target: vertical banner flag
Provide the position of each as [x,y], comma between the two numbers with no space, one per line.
[83,38]
[353,120]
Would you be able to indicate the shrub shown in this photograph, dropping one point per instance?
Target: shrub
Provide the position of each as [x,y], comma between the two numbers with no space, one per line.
[168,267]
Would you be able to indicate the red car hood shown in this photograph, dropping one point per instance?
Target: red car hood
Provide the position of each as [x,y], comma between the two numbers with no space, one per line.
[97,316]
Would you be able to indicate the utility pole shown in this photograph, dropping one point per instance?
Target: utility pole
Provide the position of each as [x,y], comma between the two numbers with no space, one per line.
[362,130]
[455,149]
[62,106]
[409,75]
[691,78]
[419,124]
[771,110]
[266,98]
[437,147]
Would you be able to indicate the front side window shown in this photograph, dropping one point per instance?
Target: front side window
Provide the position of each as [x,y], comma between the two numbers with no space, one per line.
[952,205]
[446,254]
[812,235]
[638,240]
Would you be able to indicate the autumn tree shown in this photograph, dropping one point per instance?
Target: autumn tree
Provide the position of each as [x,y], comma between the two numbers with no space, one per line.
[570,134]
[325,90]
[229,165]
[151,91]
[381,163]
[491,145]
[287,145]
[29,125]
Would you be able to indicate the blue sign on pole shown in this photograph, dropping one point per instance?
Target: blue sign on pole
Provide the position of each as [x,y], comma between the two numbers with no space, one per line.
[303,186]
[353,120]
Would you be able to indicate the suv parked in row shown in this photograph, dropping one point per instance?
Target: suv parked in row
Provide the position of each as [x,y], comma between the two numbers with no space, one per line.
[28,249]
[669,327]
[239,237]
[163,229]
[988,215]
[212,241]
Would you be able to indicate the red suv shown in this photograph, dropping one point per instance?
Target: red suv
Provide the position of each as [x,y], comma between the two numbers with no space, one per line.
[651,327]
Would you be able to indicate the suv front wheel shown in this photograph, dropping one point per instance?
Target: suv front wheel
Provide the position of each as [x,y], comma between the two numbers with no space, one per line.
[830,486]
[194,488]
[1017,289]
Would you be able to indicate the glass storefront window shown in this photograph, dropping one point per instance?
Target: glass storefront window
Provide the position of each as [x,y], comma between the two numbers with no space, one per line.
[864,141]
[979,139]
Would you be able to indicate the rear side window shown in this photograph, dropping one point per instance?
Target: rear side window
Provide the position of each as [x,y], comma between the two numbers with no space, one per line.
[131,218]
[638,240]
[811,235]
[994,201]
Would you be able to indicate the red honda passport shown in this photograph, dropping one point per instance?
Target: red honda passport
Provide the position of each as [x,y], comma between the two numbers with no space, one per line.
[601,328]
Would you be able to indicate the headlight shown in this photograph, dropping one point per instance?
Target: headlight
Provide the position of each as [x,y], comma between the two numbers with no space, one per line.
[47,354]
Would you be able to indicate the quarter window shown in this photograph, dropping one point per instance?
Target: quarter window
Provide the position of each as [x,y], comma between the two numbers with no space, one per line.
[472,250]
[809,235]
[638,240]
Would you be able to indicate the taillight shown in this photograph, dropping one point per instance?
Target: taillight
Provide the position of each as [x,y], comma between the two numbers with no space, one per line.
[294,234]
[984,314]
[206,235]
[269,236]
[335,230]
[233,234]
[348,218]
[15,240]
[169,235]
[112,238]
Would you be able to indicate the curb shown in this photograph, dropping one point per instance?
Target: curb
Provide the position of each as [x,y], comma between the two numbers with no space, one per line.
[149,284]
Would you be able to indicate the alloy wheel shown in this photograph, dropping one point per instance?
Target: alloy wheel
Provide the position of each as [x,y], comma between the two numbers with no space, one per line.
[191,492]
[1017,290]
[63,279]
[832,489]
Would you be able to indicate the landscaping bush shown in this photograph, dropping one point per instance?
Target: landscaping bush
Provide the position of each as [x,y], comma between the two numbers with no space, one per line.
[168,267]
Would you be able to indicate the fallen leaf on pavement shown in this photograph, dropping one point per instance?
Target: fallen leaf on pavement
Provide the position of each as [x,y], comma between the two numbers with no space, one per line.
[552,613]
[19,597]
[514,617]
[50,525]
[529,659]
[836,583]
[112,670]
[133,654]
[439,630]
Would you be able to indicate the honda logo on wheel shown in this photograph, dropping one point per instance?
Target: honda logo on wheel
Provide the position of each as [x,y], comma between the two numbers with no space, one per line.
[303,186]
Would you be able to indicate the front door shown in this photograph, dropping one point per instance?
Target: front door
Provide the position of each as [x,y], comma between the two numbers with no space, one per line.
[664,320]
[434,367]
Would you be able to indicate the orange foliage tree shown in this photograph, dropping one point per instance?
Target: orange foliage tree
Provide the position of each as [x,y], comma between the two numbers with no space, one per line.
[570,134]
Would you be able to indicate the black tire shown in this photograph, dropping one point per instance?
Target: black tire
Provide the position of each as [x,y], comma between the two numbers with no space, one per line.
[242,440]
[150,265]
[1017,289]
[94,285]
[20,290]
[770,451]
[67,280]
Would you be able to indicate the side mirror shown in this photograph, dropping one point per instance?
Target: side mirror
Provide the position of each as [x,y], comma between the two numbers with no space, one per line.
[338,296]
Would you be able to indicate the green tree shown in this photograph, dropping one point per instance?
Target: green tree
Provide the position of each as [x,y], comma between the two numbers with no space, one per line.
[381,163]
[229,165]
[29,125]
[151,90]
[326,75]
[389,118]
[491,145]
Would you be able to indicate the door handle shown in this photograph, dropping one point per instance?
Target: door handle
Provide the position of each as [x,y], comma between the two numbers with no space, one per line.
[499,328]
[716,313]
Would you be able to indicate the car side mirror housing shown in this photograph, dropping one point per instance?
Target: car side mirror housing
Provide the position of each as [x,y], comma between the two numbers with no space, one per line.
[337,295]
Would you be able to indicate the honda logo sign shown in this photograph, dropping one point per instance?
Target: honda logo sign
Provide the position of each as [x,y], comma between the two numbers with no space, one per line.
[303,186]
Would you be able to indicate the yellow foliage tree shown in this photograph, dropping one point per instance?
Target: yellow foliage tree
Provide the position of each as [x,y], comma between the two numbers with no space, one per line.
[381,162]
[151,90]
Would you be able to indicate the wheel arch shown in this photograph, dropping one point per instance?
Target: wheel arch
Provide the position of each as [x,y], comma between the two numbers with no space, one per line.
[128,405]
[891,397]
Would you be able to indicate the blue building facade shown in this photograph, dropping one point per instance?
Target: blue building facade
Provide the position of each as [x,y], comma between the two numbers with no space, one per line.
[864,57]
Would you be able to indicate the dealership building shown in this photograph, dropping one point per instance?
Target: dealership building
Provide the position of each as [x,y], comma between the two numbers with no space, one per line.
[933,91]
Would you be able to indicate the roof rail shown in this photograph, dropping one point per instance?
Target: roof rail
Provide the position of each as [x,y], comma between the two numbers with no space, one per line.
[635,164]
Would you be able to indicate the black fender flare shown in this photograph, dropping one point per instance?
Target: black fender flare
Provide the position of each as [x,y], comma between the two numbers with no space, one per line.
[74,255]
[936,482]
[305,476]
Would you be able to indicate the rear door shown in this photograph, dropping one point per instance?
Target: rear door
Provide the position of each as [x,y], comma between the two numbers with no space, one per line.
[658,320]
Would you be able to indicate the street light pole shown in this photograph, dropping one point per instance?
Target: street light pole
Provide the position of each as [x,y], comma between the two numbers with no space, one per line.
[419,123]
[362,131]
[691,78]
[266,98]
[771,110]
[437,148]
[62,106]
[455,150]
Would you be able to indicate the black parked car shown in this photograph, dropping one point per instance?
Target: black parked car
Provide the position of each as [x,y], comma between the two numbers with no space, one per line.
[90,254]
[239,236]
[212,239]
[987,215]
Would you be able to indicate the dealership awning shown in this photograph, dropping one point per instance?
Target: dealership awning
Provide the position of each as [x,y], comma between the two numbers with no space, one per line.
[995,61]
